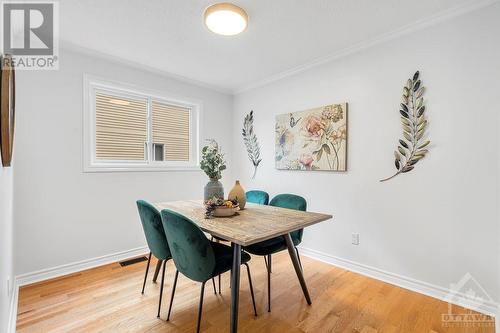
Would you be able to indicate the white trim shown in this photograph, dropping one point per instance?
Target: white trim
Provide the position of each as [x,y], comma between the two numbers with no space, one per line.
[50,273]
[441,293]
[92,83]
[12,319]
[410,28]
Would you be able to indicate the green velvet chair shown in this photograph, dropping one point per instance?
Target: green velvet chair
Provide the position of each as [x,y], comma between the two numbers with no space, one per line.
[258,197]
[155,237]
[277,244]
[196,257]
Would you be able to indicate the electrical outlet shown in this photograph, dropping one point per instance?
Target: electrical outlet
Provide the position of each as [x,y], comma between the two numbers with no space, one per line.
[355,239]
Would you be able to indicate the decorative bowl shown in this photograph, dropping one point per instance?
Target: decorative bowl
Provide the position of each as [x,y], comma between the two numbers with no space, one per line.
[224,211]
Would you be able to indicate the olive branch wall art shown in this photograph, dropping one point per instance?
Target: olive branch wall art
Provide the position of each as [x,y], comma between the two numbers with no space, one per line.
[411,149]
[251,143]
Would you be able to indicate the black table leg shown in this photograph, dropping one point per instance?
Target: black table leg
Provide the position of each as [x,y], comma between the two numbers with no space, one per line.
[235,287]
[157,270]
[296,265]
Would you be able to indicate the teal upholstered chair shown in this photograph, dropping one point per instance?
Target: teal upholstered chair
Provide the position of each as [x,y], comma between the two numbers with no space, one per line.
[258,197]
[277,244]
[196,257]
[156,239]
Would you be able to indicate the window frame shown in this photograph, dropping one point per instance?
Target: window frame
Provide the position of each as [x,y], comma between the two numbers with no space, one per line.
[92,84]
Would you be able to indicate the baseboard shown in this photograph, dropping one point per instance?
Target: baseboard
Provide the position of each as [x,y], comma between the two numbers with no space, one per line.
[50,273]
[11,324]
[441,293]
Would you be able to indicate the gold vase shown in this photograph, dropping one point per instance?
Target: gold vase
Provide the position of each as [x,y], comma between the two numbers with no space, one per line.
[238,193]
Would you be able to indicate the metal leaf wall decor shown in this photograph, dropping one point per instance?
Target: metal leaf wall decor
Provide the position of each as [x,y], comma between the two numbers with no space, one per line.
[411,148]
[251,143]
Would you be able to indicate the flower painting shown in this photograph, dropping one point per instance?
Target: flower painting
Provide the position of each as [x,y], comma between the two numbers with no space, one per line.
[314,139]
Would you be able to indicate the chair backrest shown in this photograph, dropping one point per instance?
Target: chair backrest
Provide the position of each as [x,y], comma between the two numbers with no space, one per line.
[258,197]
[291,201]
[191,250]
[153,230]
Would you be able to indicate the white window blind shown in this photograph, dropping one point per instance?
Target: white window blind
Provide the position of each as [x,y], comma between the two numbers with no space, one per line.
[131,130]
[171,129]
[121,130]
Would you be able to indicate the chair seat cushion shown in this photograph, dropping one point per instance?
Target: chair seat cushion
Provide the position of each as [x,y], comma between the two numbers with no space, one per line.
[270,246]
[224,258]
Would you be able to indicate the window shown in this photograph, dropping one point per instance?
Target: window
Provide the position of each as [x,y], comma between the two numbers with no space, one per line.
[127,129]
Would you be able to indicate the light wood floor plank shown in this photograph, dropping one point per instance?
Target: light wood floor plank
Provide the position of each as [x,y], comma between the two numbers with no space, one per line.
[108,299]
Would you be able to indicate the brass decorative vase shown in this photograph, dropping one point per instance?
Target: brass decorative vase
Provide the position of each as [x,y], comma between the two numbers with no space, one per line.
[238,193]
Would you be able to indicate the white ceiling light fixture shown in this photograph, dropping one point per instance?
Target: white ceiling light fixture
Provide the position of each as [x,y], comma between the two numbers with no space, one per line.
[226,19]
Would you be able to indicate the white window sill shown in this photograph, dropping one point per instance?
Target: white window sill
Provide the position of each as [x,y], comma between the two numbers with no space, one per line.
[138,168]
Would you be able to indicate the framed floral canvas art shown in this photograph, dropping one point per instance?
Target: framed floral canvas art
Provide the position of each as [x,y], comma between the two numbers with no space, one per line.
[314,139]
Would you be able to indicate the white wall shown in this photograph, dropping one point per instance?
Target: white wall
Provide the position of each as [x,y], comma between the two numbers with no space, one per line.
[434,224]
[64,215]
[6,237]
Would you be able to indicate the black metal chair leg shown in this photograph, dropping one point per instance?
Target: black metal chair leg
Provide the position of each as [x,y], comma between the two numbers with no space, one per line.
[270,264]
[219,285]
[173,293]
[146,275]
[251,289]
[215,289]
[298,257]
[265,260]
[161,287]
[200,308]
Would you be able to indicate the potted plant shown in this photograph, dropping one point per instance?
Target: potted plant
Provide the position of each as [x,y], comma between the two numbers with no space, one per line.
[213,163]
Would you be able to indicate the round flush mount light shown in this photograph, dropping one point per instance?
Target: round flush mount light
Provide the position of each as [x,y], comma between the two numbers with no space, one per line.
[226,19]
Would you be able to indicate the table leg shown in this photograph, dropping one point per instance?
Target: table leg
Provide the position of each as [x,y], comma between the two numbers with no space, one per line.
[235,287]
[296,265]
[157,270]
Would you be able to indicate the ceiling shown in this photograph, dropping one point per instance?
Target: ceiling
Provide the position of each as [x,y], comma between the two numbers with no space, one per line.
[169,35]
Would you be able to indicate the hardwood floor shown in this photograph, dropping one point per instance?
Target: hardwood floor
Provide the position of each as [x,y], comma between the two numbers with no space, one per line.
[108,299]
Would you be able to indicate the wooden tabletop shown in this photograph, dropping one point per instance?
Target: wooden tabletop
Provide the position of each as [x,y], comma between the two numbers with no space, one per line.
[251,225]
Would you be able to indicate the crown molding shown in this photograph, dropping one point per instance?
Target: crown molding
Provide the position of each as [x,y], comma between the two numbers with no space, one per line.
[410,28]
[69,46]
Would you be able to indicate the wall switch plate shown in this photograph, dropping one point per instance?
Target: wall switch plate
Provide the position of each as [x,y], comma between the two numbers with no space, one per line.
[355,239]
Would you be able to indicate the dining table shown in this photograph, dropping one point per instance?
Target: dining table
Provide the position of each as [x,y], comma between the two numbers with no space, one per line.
[253,224]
